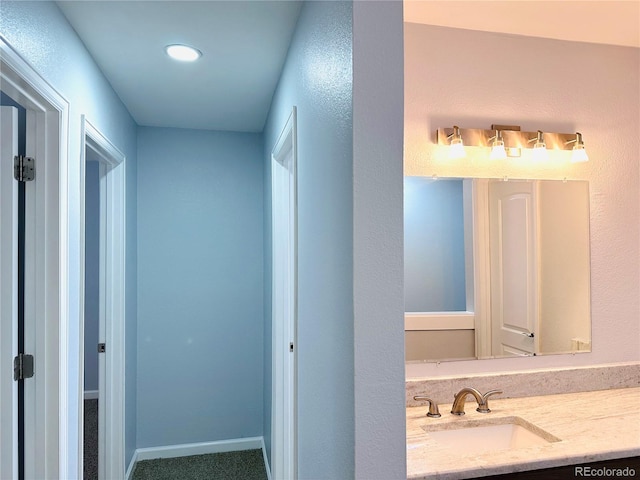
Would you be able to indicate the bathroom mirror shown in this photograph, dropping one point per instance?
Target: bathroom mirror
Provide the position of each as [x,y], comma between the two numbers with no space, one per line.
[495,268]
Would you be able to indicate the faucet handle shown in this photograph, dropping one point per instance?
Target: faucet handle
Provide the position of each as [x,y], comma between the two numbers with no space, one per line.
[433,406]
[483,407]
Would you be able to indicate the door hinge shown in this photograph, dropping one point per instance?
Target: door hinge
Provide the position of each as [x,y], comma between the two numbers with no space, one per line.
[102,347]
[24,168]
[291,347]
[22,366]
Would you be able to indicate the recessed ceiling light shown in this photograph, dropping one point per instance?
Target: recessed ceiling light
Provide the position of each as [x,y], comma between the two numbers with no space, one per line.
[184,53]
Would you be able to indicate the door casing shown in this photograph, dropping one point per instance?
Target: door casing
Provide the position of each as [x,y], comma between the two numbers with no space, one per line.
[112,301]
[47,257]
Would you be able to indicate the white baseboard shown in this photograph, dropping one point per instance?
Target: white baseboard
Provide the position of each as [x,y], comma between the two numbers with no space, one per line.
[266,460]
[132,465]
[185,450]
[91,394]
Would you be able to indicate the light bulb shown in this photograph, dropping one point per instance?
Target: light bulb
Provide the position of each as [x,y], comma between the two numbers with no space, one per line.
[183,53]
[579,154]
[497,148]
[456,147]
[540,153]
[540,148]
[498,152]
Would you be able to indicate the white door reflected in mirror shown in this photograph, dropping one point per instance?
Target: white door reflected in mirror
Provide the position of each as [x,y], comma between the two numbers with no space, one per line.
[495,268]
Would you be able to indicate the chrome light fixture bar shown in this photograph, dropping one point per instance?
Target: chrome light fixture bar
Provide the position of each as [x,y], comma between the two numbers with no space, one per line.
[513,138]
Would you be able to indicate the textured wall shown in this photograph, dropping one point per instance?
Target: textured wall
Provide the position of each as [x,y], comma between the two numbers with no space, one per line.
[200,286]
[451,78]
[380,451]
[317,79]
[40,33]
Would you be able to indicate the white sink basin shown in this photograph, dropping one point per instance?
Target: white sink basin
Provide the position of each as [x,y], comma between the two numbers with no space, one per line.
[477,436]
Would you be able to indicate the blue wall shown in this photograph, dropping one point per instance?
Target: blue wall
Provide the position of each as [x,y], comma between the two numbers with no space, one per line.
[317,78]
[434,267]
[92,278]
[200,286]
[40,33]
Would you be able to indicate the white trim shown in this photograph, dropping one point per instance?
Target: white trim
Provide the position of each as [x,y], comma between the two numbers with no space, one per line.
[112,300]
[48,454]
[132,466]
[284,226]
[202,448]
[265,458]
[91,394]
[482,267]
[439,321]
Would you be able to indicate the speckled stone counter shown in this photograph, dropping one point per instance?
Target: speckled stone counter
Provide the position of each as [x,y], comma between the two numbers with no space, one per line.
[590,426]
[521,384]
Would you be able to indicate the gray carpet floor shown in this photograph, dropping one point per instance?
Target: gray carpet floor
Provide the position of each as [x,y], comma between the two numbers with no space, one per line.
[90,440]
[243,465]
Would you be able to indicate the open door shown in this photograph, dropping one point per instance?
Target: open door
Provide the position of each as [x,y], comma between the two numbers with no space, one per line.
[514,265]
[284,303]
[8,293]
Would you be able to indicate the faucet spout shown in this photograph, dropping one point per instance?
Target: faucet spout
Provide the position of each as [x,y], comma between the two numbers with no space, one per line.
[461,397]
[483,407]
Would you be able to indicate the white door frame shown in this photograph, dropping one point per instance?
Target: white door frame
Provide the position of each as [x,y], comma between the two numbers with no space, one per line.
[284,303]
[481,266]
[47,267]
[8,293]
[112,301]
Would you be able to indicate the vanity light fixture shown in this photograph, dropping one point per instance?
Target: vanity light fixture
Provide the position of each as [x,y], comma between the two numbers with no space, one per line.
[497,147]
[508,140]
[183,53]
[456,146]
[540,147]
[579,154]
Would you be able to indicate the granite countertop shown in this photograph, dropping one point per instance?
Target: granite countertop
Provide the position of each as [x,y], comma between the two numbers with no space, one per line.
[590,426]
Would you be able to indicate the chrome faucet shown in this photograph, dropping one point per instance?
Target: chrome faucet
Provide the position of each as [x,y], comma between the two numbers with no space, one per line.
[483,400]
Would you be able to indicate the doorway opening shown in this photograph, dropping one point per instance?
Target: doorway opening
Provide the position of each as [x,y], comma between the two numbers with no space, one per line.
[103,305]
[93,313]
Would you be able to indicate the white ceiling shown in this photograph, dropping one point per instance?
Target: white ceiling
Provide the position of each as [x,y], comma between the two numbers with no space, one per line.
[606,21]
[244,44]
